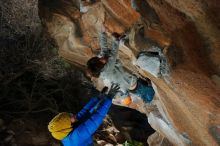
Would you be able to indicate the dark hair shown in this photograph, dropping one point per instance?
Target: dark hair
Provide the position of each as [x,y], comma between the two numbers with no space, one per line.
[95,66]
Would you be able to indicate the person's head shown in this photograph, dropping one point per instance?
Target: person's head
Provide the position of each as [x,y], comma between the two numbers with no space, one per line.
[61,125]
[95,66]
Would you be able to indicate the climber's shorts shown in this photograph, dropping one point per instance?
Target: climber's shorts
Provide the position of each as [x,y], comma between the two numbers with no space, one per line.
[144,91]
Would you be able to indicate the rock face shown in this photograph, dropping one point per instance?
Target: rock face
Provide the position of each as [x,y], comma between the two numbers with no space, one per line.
[186,108]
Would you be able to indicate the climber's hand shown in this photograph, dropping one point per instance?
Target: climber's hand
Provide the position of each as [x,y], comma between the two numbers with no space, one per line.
[113,91]
[104,90]
[116,36]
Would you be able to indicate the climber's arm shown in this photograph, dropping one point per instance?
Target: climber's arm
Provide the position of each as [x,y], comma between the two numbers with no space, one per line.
[88,128]
[113,56]
[85,111]
[103,44]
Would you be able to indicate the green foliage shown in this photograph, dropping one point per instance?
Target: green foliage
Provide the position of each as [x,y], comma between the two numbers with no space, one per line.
[62,62]
[54,50]
[34,79]
[133,143]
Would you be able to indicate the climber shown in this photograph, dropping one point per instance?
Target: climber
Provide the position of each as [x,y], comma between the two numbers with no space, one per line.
[77,130]
[110,70]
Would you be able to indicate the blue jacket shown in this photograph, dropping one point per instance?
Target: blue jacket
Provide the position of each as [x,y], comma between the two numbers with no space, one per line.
[91,116]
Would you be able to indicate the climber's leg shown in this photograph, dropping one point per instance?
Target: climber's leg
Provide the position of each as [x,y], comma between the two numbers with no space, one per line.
[144,90]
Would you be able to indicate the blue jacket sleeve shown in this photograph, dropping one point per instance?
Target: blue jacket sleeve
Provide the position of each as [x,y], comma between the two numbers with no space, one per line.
[86,109]
[88,128]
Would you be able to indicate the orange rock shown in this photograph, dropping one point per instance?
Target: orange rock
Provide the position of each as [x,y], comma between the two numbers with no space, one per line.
[123,16]
[158,36]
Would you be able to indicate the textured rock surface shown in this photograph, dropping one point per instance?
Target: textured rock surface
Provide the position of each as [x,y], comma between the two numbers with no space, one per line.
[186,109]
[18,18]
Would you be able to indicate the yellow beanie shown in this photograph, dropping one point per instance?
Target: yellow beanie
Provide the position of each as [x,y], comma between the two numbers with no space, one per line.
[60,126]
